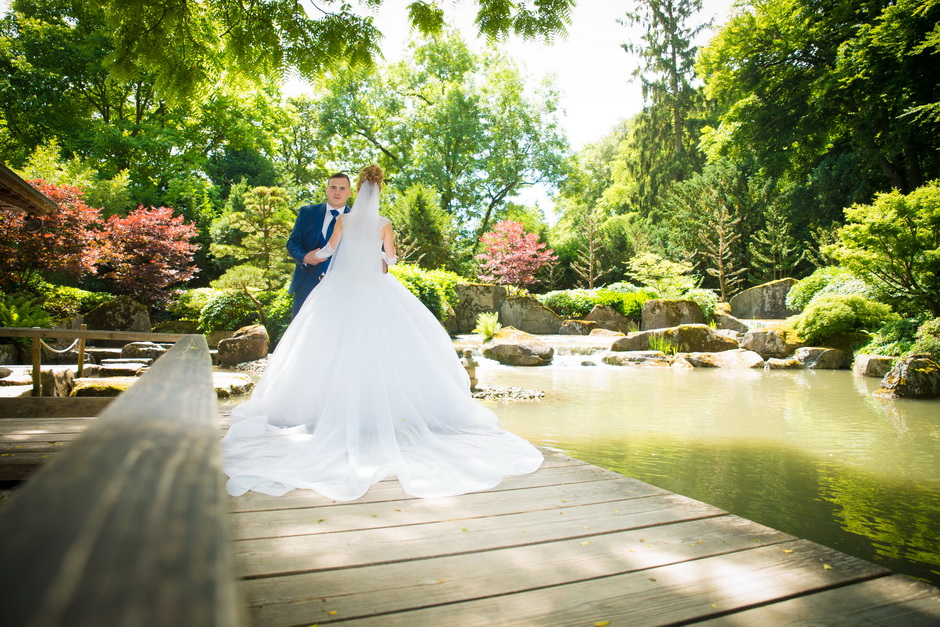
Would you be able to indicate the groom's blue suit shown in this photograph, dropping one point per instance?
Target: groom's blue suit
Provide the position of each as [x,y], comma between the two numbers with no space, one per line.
[306,236]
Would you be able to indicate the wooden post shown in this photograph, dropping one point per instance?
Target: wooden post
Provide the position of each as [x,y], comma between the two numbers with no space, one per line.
[37,361]
[81,352]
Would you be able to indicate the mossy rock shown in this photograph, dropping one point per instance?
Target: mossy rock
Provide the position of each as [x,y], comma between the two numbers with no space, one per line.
[111,386]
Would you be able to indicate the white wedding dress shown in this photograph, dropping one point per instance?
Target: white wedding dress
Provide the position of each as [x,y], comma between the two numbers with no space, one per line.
[365,385]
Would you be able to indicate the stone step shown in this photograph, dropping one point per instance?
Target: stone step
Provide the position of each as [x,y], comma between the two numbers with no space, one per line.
[143,361]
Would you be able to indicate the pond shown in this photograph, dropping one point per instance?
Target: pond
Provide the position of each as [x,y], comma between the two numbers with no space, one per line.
[811,453]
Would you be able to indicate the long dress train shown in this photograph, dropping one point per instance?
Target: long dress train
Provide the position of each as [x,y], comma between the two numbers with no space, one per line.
[365,384]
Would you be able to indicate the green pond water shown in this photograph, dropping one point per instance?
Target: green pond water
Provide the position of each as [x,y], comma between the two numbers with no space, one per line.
[811,453]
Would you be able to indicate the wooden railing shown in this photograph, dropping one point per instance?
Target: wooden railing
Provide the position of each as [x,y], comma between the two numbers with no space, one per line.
[127,526]
[82,335]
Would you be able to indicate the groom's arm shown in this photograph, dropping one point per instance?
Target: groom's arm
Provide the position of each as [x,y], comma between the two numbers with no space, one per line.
[295,247]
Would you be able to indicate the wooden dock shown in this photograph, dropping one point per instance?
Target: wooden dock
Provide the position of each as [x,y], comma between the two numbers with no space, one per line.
[571,544]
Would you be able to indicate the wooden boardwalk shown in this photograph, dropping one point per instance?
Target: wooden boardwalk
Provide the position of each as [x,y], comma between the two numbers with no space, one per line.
[571,544]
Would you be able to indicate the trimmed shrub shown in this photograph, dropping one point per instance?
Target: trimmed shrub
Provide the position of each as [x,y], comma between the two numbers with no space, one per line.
[62,301]
[828,315]
[826,280]
[227,311]
[707,300]
[893,339]
[188,304]
[423,286]
[928,339]
[575,304]
[568,303]
[277,312]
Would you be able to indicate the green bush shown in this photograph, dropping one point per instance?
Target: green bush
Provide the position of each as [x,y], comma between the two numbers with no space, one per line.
[420,283]
[22,311]
[623,287]
[893,339]
[227,311]
[627,304]
[188,304]
[61,301]
[446,282]
[707,300]
[928,339]
[277,312]
[568,303]
[828,315]
[826,280]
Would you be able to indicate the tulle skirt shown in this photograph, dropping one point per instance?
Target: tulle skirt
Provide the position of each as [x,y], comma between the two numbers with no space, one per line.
[364,385]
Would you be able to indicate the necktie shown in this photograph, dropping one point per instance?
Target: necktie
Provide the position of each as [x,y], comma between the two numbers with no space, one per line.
[329,229]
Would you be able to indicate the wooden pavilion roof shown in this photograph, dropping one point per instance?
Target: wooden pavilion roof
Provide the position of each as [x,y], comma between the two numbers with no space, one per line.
[16,193]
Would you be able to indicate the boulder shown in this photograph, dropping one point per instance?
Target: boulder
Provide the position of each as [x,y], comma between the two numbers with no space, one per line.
[474,299]
[770,342]
[727,321]
[8,354]
[111,386]
[527,314]
[872,365]
[142,350]
[57,382]
[606,333]
[790,363]
[917,376]
[512,347]
[5,372]
[738,358]
[248,344]
[763,302]
[229,384]
[120,370]
[656,359]
[177,326]
[214,337]
[681,363]
[578,327]
[822,358]
[660,313]
[121,314]
[691,338]
[609,318]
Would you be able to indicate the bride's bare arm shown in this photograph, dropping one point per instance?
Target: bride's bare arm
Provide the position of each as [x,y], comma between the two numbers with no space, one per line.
[388,243]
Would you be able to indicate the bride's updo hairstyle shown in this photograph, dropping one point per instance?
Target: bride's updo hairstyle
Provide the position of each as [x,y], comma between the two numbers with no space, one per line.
[372,174]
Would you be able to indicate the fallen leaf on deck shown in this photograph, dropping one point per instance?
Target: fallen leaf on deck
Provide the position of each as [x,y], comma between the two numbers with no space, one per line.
[827,567]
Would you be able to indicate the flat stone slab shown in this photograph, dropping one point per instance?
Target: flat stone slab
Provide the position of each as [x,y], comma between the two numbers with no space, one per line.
[227,385]
[144,361]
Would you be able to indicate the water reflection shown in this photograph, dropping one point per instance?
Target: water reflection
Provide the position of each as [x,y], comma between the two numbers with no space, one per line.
[812,453]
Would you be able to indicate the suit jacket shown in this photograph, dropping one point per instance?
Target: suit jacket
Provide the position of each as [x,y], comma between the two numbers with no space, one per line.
[307,235]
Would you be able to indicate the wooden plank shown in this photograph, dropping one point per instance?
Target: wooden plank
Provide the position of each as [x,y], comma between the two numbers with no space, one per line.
[358,516]
[13,427]
[295,554]
[33,407]
[370,590]
[90,334]
[888,601]
[128,526]
[676,593]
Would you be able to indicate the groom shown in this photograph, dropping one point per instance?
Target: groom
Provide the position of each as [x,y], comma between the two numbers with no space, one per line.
[312,231]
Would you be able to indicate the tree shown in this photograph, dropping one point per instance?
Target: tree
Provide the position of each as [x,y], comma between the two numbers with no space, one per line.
[68,246]
[422,227]
[775,253]
[512,256]
[799,83]
[147,252]
[190,45]
[587,264]
[666,131]
[265,225]
[719,240]
[669,279]
[247,280]
[894,244]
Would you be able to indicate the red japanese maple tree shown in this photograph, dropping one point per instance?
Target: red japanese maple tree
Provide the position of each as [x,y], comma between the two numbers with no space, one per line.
[512,256]
[147,252]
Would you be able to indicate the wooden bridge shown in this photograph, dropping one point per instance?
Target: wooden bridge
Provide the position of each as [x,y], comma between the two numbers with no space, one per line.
[127,523]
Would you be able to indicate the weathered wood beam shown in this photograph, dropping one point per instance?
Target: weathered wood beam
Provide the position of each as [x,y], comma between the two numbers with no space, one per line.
[127,526]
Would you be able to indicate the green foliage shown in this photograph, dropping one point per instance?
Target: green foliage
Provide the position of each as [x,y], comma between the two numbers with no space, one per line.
[707,300]
[662,344]
[277,312]
[774,251]
[434,289]
[227,311]
[572,304]
[488,325]
[669,279]
[62,301]
[828,315]
[578,303]
[894,243]
[423,230]
[826,280]
[928,339]
[893,339]
[187,304]
[22,311]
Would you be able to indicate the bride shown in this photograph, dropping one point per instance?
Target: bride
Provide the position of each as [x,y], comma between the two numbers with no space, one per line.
[364,385]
